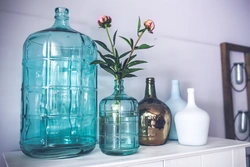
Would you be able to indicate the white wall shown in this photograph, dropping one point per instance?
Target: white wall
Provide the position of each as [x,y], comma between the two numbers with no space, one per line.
[186,38]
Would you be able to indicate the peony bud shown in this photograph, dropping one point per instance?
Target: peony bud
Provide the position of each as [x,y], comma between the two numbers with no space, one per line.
[104,20]
[150,25]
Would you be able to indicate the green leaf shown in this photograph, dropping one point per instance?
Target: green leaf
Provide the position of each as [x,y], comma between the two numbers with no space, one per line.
[120,65]
[118,72]
[109,56]
[132,57]
[127,72]
[144,46]
[117,59]
[124,63]
[136,62]
[129,75]
[124,54]
[108,69]
[144,29]
[139,26]
[114,37]
[103,45]
[97,62]
[108,61]
[132,43]
[131,70]
[100,53]
[127,41]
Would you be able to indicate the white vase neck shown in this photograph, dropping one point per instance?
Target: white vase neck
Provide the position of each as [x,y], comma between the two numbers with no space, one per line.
[191,98]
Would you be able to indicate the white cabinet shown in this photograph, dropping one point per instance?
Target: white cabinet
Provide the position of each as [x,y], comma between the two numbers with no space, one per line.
[216,153]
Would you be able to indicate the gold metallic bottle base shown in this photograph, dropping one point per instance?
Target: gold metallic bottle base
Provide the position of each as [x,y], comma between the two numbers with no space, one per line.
[154,118]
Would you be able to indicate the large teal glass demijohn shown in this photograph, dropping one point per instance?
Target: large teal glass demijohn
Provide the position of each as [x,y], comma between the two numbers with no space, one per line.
[118,123]
[59,111]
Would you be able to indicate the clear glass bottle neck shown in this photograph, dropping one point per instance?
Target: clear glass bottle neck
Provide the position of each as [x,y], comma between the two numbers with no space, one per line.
[118,88]
[191,98]
[150,88]
[61,17]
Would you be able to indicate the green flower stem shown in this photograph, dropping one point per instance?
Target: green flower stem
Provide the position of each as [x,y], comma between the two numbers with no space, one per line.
[116,76]
[117,102]
[113,50]
[111,43]
[133,49]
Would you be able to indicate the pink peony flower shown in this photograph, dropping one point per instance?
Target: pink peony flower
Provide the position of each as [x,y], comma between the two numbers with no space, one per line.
[104,20]
[150,25]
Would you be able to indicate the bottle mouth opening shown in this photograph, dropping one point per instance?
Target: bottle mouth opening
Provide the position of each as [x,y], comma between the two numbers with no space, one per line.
[190,90]
[61,13]
[62,10]
[152,79]
[175,81]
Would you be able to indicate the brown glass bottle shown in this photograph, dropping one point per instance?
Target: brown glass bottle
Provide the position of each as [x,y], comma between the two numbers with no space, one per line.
[154,117]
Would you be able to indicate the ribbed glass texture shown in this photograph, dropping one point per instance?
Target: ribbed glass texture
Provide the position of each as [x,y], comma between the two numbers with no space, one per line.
[118,123]
[59,92]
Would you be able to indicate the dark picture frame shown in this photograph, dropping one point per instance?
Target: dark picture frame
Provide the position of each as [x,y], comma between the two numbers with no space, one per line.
[226,48]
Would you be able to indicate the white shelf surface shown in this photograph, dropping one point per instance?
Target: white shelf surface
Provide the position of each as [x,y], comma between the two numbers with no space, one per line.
[146,155]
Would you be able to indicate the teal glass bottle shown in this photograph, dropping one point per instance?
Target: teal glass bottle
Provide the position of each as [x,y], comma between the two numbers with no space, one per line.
[59,92]
[118,123]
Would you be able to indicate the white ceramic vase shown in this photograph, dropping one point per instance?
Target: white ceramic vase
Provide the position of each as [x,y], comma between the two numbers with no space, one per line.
[176,104]
[192,123]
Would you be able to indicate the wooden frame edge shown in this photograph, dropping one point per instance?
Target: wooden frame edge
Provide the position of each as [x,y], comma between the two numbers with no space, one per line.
[226,81]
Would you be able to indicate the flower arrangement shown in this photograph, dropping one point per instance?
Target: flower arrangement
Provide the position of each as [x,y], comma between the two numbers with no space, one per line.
[112,61]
